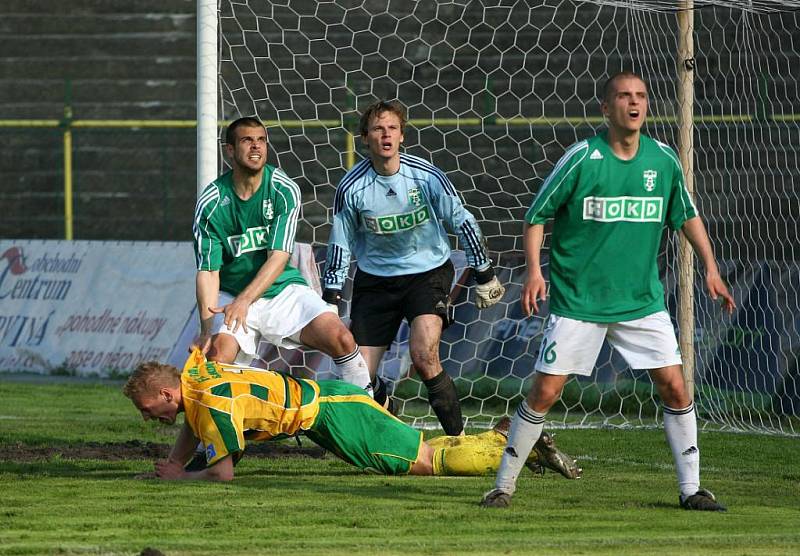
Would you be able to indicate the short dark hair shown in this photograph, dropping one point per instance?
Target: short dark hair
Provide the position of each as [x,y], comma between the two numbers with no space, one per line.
[609,85]
[378,108]
[247,121]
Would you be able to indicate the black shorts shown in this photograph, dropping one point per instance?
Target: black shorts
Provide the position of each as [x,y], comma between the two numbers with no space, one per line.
[381,302]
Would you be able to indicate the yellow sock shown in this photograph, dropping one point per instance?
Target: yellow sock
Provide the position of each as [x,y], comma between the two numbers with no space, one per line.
[488,438]
[471,455]
[444,441]
[467,459]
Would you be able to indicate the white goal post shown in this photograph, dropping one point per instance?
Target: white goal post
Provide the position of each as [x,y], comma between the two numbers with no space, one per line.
[207,64]
[496,91]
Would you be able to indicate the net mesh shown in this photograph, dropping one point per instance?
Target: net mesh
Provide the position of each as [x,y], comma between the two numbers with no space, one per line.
[496,91]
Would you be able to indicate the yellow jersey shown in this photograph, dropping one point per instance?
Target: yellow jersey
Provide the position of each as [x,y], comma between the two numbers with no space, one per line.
[222,401]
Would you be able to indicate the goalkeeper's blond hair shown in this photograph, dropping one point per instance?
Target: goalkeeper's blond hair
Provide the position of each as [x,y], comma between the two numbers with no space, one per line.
[148,377]
[375,110]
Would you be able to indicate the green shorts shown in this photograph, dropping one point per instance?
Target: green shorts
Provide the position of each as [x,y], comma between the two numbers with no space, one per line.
[358,430]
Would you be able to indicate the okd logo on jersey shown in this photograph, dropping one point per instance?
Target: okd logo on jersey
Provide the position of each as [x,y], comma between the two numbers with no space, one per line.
[394,223]
[627,209]
[254,239]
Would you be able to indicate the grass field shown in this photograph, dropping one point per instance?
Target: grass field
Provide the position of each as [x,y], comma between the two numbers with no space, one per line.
[53,503]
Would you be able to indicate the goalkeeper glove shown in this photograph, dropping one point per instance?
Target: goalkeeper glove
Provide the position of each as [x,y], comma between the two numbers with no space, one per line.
[332,298]
[489,289]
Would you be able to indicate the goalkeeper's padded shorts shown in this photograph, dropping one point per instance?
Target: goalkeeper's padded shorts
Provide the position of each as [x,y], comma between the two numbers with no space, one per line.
[380,303]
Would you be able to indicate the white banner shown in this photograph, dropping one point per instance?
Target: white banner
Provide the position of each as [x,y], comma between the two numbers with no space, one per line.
[92,306]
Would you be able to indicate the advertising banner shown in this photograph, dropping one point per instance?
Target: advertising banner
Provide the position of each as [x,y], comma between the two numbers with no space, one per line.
[91,307]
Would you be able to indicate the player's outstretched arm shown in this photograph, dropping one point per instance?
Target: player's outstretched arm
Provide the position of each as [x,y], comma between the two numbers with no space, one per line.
[342,237]
[185,445]
[169,470]
[534,289]
[489,289]
[695,232]
[448,206]
[207,294]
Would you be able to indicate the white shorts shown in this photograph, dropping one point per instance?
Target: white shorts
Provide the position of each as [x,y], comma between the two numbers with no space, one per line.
[278,321]
[571,346]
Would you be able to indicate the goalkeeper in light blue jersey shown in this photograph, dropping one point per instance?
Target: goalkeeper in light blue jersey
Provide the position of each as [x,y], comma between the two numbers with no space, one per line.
[390,212]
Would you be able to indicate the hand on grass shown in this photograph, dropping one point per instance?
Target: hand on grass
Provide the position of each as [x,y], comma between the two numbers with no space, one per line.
[169,470]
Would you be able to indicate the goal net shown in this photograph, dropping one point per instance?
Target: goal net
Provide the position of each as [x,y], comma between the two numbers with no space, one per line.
[496,91]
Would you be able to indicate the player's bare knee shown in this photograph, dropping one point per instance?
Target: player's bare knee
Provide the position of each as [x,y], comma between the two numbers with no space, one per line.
[672,390]
[544,392]
[674,395]
[224,349]
[425,357]
[219,356]
[427,365]
[341,341]
[541,402]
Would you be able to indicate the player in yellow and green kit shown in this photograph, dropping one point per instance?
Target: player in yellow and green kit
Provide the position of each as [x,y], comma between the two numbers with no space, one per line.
[223,401]
[610,198]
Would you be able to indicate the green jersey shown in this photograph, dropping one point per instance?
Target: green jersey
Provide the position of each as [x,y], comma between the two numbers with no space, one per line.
[609,216]
[235,236]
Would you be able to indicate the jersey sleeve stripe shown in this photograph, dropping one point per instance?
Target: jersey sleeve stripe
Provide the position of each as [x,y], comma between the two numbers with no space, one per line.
[348,180]
[420,164]
[547,187]
[335,257]
[259,391]
[203,252]
[211,192]
[223,390]
[565,159]
[671,154]
[210,195]
[287,186]
[472,236]
[226,429]
[287,393]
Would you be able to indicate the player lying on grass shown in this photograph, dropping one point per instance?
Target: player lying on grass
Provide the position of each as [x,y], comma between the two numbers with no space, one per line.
[223,401]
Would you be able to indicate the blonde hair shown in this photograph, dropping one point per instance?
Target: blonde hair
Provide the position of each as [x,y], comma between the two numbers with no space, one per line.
[148,377]
[377,109]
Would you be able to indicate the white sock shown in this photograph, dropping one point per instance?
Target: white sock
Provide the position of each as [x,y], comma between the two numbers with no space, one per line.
[353,369]
[526,428]
[680,426]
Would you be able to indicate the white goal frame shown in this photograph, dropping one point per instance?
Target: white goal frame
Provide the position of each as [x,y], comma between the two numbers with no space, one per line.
[209,108]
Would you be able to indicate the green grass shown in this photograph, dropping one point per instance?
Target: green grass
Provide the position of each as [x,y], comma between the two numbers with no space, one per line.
[625,504]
